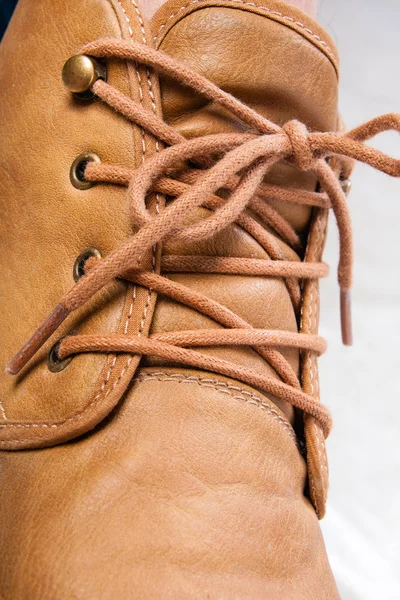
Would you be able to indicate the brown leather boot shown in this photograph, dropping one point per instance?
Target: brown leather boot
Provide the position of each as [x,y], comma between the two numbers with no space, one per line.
[168,440]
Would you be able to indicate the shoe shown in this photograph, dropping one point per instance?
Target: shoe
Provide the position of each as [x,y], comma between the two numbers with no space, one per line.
[161,431]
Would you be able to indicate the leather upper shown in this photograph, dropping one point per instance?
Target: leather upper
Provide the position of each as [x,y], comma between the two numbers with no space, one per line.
[152,481]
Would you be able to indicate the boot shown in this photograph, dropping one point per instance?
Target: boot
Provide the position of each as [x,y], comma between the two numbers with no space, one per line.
[161,432]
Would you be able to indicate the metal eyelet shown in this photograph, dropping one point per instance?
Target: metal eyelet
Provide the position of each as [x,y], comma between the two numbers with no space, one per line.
[346,184]
[77,171]
[80,72]
[54,363]
[79,265]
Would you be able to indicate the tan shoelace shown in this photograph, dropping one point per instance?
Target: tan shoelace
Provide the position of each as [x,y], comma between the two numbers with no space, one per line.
[243,161]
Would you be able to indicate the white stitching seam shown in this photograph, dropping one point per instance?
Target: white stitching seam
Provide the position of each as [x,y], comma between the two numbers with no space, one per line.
[268,10]
[151,92]
[236,392]
[223,388]
[2,411]
[134,293]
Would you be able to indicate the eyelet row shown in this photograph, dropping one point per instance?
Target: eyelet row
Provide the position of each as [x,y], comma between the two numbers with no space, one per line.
[79,74]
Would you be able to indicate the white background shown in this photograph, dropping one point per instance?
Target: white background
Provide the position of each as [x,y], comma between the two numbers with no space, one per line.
[361,385]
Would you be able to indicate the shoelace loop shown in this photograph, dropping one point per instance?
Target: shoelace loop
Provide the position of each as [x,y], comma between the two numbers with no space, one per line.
[303,155]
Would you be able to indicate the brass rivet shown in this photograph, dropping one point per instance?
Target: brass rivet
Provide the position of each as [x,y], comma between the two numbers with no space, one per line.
[79,74]
[77,171]
[54,362]
[346,185]
[79,265]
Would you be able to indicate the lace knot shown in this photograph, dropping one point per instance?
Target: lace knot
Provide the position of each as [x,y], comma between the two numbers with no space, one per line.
[297,134]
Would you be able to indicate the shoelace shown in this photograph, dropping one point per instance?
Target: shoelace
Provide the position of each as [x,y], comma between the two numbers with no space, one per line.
[237,163]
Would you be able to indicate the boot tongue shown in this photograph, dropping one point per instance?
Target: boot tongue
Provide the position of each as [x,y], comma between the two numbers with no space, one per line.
[279,62]
[284,69]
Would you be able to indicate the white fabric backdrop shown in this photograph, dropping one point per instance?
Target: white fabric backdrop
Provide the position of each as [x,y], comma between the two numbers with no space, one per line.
[361,385]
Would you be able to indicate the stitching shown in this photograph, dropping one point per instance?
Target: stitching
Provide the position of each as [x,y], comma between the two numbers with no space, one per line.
[268,10]
[151,92]
[220,386]
[2,411]
[137,75]
[134,293]
[314,374]
[223,388]
[236,392]
[140,21]
[321,450]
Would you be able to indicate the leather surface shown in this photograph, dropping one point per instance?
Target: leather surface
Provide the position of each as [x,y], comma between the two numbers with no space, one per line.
[192,489]
[193,486]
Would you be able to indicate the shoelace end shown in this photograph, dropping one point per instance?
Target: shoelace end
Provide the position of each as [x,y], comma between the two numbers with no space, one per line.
[345,317]
[41,335]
